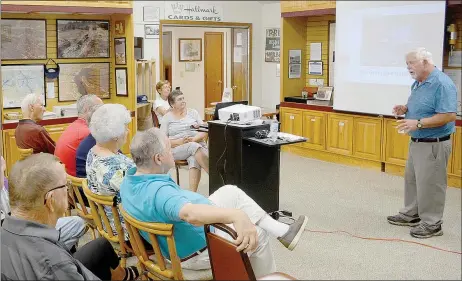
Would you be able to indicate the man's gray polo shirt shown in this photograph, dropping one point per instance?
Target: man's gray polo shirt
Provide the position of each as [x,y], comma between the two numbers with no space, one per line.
[31,251]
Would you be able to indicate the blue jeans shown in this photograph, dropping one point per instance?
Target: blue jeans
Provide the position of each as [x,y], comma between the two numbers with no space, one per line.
[71,229]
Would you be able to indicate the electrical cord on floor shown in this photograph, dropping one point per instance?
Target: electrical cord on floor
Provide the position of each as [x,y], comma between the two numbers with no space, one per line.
[383,239]
[223,154]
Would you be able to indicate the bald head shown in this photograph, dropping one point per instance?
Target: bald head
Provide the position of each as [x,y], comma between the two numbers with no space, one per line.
[31,178]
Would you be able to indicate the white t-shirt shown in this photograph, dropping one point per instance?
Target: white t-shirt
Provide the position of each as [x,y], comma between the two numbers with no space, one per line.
[159,102]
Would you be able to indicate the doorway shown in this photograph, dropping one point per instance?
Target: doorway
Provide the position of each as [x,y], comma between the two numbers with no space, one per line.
[167,56]
[213,69]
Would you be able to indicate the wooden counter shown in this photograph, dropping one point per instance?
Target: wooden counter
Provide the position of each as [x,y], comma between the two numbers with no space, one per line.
[357,139]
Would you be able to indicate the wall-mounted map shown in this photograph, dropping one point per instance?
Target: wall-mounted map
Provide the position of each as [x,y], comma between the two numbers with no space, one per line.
[77,79]
[23,39]
[20,80]
[83,39]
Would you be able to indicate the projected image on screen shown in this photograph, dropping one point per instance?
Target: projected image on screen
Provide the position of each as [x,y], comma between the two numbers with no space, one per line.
[381,42]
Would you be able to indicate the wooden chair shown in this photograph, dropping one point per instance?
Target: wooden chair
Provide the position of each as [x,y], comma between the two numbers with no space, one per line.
[227,263]
[178,164]
[97,204]
[156,267]
[77,201]
[24,153]
[155,120]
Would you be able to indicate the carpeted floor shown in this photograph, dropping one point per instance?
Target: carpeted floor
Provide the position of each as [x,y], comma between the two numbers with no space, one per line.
[344,198]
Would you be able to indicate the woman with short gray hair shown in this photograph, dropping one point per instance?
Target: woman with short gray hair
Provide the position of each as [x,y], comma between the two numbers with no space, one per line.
[106,166]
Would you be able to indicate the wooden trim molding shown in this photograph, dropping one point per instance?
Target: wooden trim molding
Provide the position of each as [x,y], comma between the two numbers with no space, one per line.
[64,9]
[319,12]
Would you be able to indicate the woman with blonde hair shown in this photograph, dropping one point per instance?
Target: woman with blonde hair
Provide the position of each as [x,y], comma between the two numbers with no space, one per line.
[161,106]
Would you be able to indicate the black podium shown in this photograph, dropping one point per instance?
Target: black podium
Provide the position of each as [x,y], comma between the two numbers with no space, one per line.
[236,157]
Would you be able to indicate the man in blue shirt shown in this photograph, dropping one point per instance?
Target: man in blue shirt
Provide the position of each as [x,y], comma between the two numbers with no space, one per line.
[149,194]
[430,115]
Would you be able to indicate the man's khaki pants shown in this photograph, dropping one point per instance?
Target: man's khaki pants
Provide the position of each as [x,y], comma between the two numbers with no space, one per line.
[426,181]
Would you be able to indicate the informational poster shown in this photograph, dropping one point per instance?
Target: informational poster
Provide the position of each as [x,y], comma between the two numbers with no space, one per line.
[315,51]
[315,67]
[273,45]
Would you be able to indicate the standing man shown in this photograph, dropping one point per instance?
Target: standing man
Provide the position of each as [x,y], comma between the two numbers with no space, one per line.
[430,115]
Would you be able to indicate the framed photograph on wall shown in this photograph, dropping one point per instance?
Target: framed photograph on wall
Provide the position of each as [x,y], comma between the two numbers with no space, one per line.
[20,80]
[82,39]
[151,31]
[77,79]
[120,51]
[121,82]
[23,39]
[190,49]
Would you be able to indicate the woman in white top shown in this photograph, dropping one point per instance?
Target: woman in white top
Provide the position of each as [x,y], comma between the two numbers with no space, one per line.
[161,106]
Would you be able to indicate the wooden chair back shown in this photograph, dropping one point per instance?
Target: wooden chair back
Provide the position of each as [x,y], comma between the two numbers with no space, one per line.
[24,153]
[103,225]
[155,269]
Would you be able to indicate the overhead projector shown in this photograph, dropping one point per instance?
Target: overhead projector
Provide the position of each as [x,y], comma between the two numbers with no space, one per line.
[239,113]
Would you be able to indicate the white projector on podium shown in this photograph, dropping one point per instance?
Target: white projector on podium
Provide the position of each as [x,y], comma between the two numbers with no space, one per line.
[240,113]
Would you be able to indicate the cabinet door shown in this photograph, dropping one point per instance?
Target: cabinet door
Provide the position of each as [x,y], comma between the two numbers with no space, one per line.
[314,130]
[456,166]
[340,134]
[367,138]
[55,131]
[291,123]
[126,148]
[10,149]
[396,144]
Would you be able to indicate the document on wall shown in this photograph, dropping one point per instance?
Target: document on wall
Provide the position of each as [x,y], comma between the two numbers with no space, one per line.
[315,51]
[295,70]
[239,39]
[50,90]
[455,59]
[456,77]
[315,67]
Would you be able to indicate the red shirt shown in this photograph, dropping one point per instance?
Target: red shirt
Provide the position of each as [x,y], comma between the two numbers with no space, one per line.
[69,141]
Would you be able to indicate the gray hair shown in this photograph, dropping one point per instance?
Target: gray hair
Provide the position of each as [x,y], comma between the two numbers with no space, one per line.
[145,145]
[30,179]
[86,105]
[421,54]
[108,122]
[29,100]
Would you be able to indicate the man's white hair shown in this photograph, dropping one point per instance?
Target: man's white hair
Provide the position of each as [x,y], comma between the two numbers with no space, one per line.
[86,106]
[421,54]
[30,99]
[145,145]
[108,122]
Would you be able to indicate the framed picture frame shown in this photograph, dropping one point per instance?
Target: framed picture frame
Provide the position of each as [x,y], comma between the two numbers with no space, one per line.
[77,79]
[151,14]
[190,49]
[324,93]
[151,31]
[121,82]
[73,37]
[23,39]
[19,80]
[120,46]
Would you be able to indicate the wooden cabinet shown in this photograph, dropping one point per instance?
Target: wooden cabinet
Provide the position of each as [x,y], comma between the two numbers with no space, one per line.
[396,144]
[291,123]
[340,134]
[55,131]
[367,138]
[314,129]
[10,149]
[456,163]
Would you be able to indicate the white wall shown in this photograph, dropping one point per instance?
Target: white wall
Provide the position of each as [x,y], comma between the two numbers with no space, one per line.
[192,83]
[233,11]
[270,84]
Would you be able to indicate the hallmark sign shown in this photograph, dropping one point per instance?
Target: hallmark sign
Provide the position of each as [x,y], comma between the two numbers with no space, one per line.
[192,11]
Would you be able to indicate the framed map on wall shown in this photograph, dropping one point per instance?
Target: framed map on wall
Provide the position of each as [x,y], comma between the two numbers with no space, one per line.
[23,39]
[82,39]
[20,80]
[77,79]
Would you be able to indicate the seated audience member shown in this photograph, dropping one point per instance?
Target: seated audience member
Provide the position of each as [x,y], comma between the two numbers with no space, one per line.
[28,133]
[67,144]
[187,143]
[106,166]
[161,105]
[71,228]
[149,194]
[81,156]
[31,247]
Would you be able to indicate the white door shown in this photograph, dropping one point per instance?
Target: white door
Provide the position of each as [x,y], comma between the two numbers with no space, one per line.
[331,53]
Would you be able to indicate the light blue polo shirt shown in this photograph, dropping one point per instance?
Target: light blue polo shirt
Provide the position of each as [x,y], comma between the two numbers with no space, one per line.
[157,198]
[437,94]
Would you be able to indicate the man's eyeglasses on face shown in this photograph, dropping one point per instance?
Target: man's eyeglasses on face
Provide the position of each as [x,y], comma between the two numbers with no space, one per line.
[54,188]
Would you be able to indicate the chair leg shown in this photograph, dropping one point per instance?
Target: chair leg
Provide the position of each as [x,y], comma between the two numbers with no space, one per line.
[177,175]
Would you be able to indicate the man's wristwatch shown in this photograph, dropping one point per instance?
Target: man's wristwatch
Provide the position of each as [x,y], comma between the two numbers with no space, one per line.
[419,124]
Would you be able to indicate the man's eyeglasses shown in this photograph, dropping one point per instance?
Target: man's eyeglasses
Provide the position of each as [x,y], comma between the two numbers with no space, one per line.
[54,188]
